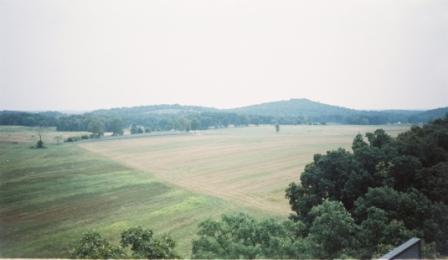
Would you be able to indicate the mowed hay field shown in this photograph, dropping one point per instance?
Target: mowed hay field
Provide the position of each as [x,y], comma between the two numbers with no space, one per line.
[49,197]
[249,166]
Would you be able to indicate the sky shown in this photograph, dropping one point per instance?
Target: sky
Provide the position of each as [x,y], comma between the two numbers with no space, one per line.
[84,55]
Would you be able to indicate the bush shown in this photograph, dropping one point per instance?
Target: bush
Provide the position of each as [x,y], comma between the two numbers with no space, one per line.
[40,144]
[93,245]
[141,241]
[73,139]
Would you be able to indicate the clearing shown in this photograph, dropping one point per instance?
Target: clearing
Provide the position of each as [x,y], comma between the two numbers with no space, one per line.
[249,166]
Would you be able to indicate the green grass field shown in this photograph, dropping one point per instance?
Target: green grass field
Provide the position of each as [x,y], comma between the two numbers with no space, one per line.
[48,197]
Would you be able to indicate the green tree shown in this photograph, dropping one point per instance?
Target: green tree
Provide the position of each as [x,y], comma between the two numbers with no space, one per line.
[242,236]
[403,171]
[96,127]
[379,138]
[93,246]
[144,245]
[116,126]
[393,187]
[433,182]
[134,129]
[336,176]
[377,233]
[40,143]
[332,230]
[195,124]
[358,143]
[141,241]
[436,227]
[411,207]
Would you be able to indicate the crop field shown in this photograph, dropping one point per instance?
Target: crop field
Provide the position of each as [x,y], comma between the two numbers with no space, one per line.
[49,197]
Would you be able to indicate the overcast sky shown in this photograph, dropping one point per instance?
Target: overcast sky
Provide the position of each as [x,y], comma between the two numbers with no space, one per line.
[81,55]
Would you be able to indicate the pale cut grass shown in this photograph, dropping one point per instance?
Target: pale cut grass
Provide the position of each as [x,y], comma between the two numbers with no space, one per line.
[248,166]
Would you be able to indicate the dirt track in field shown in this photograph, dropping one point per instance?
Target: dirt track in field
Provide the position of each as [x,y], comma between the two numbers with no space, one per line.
[248,166]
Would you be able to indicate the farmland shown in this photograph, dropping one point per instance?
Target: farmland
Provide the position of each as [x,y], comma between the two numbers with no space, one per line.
[48,197]
[248,166]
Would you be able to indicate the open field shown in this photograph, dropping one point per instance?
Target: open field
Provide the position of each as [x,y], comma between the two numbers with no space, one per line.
[248,166]
[48,197]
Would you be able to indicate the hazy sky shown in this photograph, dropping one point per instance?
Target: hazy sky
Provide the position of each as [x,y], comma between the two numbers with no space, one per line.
[79,55]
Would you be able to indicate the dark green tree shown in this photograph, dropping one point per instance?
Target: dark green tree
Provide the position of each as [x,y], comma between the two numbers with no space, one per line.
[40,143]
[93,246]
[394,185]
[379,138]
[96,127]
[116,126]
[411,207]
[433,182]
[134,129]
[242,236]
[144,245]
[378,233]
[195,125]
[336,176]
[141,243]
[332,231]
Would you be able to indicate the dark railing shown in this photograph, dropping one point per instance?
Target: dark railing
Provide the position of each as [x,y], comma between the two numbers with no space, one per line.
[408,250]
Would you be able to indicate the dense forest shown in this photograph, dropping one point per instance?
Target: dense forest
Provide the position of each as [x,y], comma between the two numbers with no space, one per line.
[347,204]
[185,118]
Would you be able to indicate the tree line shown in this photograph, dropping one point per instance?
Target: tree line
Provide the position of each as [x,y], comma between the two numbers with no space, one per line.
[347,204]
[176,121]
[99,123]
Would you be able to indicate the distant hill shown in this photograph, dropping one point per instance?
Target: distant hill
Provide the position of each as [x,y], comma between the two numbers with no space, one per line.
[293,111]
[294,107]
[428,115]
[312,111]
